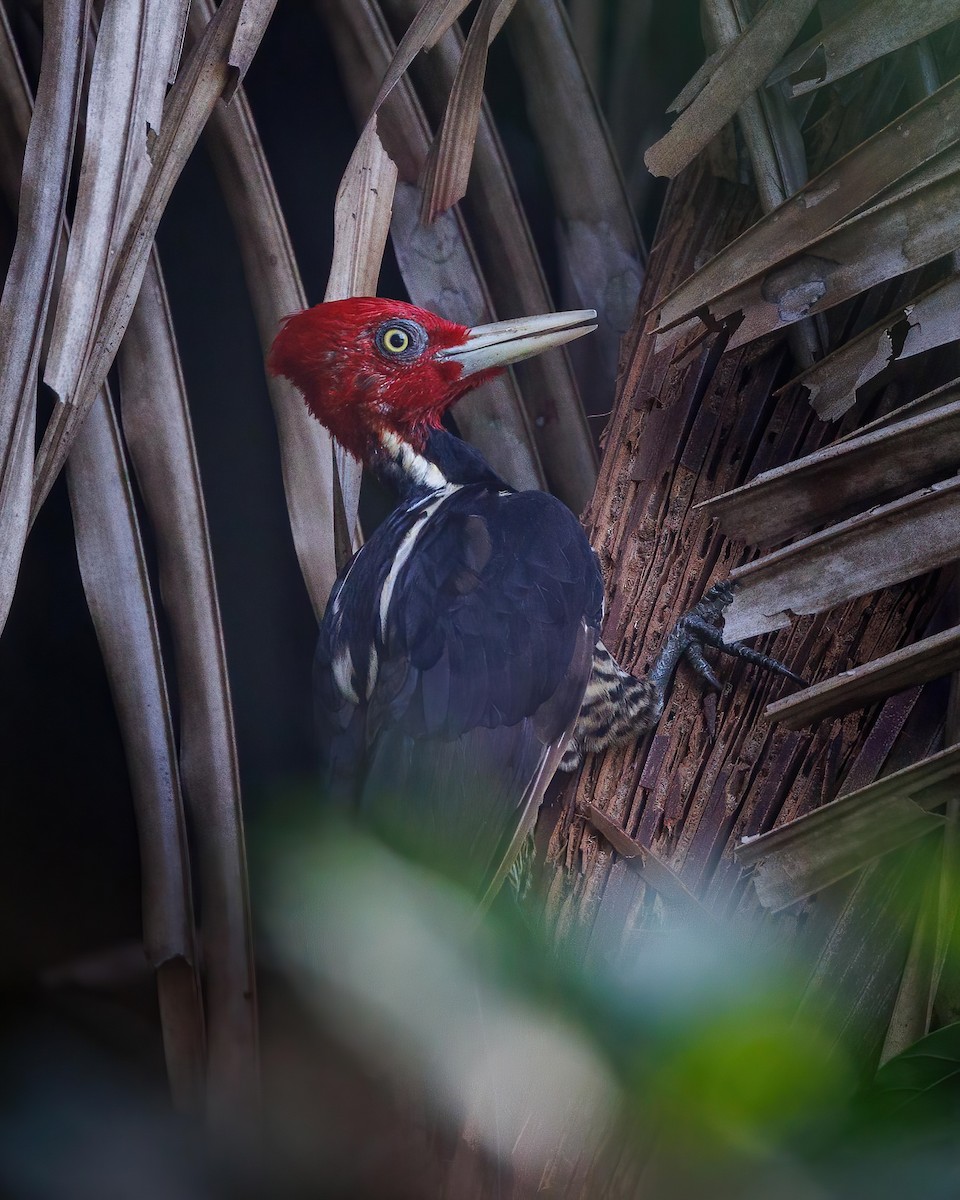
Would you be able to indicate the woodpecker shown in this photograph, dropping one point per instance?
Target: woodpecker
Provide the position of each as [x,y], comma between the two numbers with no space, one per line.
[459,662]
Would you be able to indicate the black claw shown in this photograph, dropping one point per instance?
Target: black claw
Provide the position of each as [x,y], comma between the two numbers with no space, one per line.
[739,650]
[703,626]
[722,591]
[694,656]
[714,601]
[702,630]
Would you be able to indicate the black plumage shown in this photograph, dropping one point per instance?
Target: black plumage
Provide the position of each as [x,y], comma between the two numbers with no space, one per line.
[448,687]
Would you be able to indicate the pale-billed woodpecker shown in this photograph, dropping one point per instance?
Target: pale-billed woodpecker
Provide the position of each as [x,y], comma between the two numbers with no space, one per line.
[459,662]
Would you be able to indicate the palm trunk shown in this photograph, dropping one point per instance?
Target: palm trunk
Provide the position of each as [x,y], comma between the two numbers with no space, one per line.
[689,424]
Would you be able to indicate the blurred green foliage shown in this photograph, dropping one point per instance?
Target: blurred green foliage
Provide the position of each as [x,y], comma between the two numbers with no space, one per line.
[689,1055]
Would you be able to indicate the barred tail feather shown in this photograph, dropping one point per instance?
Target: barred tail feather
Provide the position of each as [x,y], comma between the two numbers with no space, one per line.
[617,707]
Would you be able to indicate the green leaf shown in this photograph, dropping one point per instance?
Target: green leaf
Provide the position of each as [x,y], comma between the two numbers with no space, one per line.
[928,1072]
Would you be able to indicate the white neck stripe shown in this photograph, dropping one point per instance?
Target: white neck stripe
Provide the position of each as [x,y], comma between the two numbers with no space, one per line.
[418,469]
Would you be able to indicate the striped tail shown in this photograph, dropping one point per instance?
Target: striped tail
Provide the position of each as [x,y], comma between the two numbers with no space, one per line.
[617,707]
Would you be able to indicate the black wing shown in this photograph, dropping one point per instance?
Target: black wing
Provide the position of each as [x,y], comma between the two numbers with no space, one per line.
[447,689]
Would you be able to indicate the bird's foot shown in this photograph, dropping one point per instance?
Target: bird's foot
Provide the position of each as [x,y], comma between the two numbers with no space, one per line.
[703,626]
[618,706]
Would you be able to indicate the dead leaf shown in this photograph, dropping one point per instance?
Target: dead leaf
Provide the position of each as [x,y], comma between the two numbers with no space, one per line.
[738,71]
[275,287]
[30,276]
[860,36]
[599,246]
[884,161]
[843,478]
[127,83]
[447,167]
[818,849]
[925,323]
[117,588]
[156,426]
[189,104]
[885,545]
[930,658]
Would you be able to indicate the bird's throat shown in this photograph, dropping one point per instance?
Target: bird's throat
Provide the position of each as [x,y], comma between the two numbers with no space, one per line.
[398,464]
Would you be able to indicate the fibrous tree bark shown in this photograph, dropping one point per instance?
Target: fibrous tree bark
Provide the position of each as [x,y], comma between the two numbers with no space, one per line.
[690,422]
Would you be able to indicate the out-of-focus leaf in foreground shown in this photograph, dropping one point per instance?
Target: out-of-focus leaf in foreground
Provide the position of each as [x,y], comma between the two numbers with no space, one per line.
[394,960]
[692,1039]
[926,1074]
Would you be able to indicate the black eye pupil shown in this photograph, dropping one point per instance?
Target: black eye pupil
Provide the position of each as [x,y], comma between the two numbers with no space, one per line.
[397,340]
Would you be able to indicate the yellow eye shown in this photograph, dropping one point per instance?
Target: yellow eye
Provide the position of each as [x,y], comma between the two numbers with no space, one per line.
[396,340]
[401,339]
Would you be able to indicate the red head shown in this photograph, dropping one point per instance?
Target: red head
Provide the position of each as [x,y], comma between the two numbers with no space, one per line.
[367,366]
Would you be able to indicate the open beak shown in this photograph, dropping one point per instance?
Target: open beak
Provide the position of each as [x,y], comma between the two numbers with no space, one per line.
[506,342]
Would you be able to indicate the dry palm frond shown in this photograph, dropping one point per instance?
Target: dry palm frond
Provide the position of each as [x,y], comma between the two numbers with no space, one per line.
[898,235]
[362,219]
[845,477]
[930,658]
[320,494]
[117,587]
[770,127]
[116,584]
[945,394]
[600,253]
[431,22]
[771,131]
[156,426]
[733,75]
[873,550]
[873,29]
[652,870]
[200,83]
[447,168]
[126,88]
[926,322]
[30,276]
[273,280]
[365,203]
[880,163]
[821,847]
